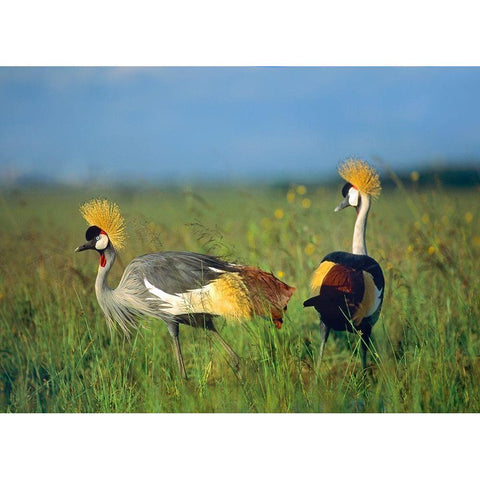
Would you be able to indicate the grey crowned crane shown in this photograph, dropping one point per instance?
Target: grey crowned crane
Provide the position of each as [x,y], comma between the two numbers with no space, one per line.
[350,286]
[176,287]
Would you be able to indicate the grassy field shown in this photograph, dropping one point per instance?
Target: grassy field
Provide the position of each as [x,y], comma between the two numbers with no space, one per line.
[57,354]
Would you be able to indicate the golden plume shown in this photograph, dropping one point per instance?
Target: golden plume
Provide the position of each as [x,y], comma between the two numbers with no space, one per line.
[106,215]
[361,175]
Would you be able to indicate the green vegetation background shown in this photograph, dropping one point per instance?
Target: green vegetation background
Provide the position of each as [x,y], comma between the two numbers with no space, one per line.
[57,354]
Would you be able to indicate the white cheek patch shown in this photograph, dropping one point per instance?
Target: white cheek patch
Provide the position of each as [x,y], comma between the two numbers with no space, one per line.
[353,197]
[102,242]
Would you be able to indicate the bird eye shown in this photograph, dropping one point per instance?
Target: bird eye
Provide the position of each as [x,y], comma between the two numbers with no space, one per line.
[97,237]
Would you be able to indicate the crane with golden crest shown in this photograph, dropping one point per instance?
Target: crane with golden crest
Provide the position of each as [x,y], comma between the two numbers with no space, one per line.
[177,287]
[350,286]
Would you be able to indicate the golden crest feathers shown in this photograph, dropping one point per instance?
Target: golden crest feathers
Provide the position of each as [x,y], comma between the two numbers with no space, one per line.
[106,215]
[361,175]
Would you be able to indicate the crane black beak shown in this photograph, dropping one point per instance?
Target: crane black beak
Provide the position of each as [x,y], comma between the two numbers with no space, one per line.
[342,205]
[87,246]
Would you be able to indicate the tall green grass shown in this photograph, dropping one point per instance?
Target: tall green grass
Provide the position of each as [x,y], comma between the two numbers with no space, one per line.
[57,354]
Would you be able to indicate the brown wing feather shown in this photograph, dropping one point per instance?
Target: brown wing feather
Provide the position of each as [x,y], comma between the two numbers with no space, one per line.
[268,294]
[341,292]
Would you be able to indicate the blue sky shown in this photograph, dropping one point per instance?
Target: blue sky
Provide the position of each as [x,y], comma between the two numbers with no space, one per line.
[237,124]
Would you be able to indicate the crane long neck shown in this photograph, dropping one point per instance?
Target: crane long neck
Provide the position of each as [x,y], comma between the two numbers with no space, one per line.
[359,247]
[101,283]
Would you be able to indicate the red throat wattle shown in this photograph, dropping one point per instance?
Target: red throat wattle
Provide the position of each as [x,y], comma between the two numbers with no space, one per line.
[103,260]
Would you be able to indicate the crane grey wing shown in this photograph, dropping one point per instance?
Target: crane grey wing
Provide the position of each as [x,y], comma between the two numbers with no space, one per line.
[178,272]
[180,283]
[185,283]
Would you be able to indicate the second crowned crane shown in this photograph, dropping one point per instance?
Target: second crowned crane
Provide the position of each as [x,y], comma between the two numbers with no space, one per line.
[350,286]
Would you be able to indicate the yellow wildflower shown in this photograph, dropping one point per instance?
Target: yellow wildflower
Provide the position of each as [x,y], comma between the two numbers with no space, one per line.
[410,249]
[306,202]
[280,274]
[301,189]
[414,176]
[278,213]
[468,217]
[431,250]
[309,249]
[290,196]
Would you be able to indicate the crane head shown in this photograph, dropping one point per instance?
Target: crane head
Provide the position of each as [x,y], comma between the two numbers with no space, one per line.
[105,216]
[362,180]
[351,197]
[96,238]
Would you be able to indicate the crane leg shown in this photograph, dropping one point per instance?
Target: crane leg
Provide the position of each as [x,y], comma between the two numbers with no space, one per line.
[173,329]
[178,353]
[235,358]
[226,346]
[324,332]
[366,343]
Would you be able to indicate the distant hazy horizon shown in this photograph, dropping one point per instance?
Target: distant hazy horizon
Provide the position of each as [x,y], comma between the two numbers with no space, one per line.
[238,124]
